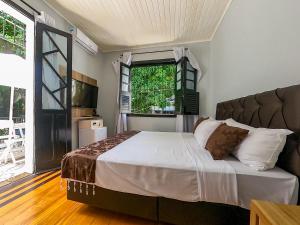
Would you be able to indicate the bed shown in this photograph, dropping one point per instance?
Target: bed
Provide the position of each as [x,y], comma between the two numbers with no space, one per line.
[157,175]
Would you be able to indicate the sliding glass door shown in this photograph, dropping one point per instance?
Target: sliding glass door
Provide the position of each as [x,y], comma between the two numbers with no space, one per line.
[16,92]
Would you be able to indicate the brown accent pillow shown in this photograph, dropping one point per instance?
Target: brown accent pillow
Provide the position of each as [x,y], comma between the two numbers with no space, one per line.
[200,120]
[224,140]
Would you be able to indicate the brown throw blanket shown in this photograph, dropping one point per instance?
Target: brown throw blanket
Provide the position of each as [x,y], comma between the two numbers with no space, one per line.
[80,164]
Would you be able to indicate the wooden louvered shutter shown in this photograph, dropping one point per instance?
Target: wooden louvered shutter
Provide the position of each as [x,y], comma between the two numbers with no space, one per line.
[125,95]
[186,95]
[179,87]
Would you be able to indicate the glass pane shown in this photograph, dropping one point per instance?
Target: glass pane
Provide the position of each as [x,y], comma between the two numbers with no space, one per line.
[178,66]
[59,40]
[125,79]
[125,70]
[58,62]
[178,76]
[190,84]
[152,88]
[47,43]
[50,79]
[48,102]
[190,75]
[9,31]
[19,105]
[125,87]
[1,23]
[55,74]
[4,102]
[189,66]
[178,86]
[62,96]
[20,36]
[13,35]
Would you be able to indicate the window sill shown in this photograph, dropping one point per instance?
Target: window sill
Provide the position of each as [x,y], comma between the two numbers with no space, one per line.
[151,115]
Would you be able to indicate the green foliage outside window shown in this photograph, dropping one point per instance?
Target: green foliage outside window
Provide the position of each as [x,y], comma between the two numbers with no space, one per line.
[152,89]
[12,35]
[4,106]
[4,102]
[18,105]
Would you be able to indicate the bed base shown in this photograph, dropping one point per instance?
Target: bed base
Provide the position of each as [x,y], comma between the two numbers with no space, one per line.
[161,209]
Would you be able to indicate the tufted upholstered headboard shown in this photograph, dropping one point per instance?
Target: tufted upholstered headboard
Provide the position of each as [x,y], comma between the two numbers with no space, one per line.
[277,109]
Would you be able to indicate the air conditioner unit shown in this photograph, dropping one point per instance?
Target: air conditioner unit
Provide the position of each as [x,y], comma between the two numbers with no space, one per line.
[84,41]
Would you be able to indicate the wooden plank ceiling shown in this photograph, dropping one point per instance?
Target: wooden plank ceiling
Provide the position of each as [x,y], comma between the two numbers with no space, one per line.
[128,24]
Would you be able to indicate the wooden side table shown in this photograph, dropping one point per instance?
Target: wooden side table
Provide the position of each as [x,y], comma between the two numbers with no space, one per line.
[268,213]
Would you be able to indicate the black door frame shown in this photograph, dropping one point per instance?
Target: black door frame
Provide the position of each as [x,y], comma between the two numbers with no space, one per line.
[40,28]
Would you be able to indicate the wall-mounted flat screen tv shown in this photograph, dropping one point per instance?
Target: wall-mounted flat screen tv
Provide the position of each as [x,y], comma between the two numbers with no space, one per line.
[84,95]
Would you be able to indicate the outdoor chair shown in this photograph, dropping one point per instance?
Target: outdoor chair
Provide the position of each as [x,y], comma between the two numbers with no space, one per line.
[10,140]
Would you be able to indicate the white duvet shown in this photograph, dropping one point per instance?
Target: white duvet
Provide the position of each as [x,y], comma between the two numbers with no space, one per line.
[173,165]
[169,165]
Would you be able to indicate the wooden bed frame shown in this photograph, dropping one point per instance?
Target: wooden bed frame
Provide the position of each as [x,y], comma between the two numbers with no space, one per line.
[279,108]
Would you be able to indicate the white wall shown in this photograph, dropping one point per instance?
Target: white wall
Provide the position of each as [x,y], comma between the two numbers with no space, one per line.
[256,48]
[108,89]
[152,124]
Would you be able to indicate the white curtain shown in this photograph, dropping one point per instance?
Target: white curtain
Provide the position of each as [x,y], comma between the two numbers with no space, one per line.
[185,123]
[121,118]
[180,52]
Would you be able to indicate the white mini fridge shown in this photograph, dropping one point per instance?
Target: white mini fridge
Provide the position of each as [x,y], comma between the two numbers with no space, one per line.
[90,135]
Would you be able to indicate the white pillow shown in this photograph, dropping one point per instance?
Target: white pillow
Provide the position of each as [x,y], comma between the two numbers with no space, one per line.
[233,123]
[205,129]
[261,148]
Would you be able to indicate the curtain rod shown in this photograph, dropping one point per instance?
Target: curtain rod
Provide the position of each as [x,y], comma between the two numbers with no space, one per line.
[150,52]
[29,6]
[138,53]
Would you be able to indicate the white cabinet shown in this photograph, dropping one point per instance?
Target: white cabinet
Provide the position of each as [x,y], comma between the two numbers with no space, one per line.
[90,135]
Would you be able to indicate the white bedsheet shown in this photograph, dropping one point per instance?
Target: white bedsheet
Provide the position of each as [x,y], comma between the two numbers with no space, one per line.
[173,165]
[274,185]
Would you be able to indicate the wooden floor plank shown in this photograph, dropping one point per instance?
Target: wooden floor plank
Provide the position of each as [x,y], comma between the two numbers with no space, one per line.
[27,185]
[47,204]
[19,183]
[33,203]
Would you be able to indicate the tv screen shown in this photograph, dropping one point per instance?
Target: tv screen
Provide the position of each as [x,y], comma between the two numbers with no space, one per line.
[84,95]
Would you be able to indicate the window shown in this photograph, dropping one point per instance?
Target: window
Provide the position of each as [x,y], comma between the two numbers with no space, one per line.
[152,89]
[4,102]
[12,35]
[18,106]
[159,88]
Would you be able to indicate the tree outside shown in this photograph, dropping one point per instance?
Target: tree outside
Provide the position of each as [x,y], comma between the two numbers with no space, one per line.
[18,105]
[12,35]
[152,89]
[12,41]
[4,102]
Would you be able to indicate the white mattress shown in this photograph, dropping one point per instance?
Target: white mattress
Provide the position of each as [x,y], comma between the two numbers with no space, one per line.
[173,165]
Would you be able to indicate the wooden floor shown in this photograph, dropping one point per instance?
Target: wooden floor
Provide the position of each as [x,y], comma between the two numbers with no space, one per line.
[40,200]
